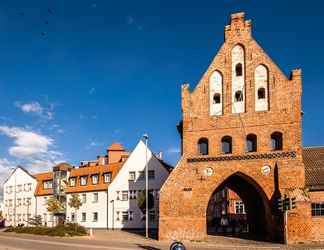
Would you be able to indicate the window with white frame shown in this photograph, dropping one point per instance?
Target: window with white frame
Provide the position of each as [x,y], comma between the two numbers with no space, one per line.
[84,217]
[124,195]
[95,179]
[151,174]
[239,207]
[18,202]
[83,180]
[117,195]
[95,216]
[84,198]
[29,187]
[95,197]
[132,176]
[132,194]
[107,177]
[19,188]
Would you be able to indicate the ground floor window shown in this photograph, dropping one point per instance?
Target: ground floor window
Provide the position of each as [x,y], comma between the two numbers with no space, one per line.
[125,216]
[84,216]
[239,207]
[317,209]
[95,216]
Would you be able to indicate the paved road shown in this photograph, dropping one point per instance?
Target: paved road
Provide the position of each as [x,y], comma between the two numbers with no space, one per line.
[122,241]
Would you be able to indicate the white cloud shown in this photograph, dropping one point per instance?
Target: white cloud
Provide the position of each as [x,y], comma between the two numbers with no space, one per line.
[31,147]
[35,108]
[173,150]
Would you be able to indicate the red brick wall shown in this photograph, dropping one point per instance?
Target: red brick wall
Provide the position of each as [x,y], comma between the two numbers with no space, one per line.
[185,195]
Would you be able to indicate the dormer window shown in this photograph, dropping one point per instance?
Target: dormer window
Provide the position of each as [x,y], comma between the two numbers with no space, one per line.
[238,69]
[83,180]
[95,179]
[48,184]
[72,181]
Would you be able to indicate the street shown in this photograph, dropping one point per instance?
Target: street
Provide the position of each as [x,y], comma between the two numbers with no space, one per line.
[120,240]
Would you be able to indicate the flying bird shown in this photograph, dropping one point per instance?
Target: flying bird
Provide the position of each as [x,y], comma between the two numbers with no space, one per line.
[21,13]
[46,22]
[50,11]
[43,33]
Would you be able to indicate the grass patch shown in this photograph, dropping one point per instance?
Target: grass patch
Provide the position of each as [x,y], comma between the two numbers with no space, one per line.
[60,230]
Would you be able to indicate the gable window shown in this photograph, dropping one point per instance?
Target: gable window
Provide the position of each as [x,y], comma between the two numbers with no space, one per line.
[203,146]
[72,182]
[217,98]
[251,143]
[261,93]
[276,141]
[227,145]
[83,180]
[239,69]
[238,96]
[95,179]
[141,175]
[47,184]
[124,195]
[151,174]
[239,207]
[132,176]
[107,177]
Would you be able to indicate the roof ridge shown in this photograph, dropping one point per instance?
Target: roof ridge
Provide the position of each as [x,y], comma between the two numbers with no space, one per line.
[314,147]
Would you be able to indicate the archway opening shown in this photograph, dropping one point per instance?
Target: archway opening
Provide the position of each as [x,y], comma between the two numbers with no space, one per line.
[239,208]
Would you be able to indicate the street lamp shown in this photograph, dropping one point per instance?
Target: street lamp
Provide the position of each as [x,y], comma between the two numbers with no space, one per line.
[145,137]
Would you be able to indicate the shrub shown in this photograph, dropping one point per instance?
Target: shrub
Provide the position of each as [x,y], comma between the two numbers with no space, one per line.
[70,229]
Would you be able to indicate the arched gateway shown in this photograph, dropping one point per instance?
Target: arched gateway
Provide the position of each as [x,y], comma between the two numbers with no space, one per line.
[259,168]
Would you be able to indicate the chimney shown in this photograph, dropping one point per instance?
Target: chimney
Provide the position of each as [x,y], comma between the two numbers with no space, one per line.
[115,153]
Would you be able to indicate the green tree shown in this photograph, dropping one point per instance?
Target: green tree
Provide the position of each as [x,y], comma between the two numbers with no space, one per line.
[54,206]
[142,201]
[75,202]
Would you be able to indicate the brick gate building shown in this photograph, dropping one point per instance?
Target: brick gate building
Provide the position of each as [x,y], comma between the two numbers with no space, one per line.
[241,128]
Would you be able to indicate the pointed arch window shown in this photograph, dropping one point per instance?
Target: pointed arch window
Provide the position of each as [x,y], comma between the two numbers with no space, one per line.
[261,93]
[227,145]
[276,141]
[251,143]
[238,96]
[239,69]
[203,146]
[217,98]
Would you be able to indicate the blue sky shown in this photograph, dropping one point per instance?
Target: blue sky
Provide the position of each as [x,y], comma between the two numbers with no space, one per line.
[103,71]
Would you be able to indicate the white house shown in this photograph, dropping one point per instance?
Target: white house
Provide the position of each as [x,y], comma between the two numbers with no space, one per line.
[123,177]
[19,200]
[123,192]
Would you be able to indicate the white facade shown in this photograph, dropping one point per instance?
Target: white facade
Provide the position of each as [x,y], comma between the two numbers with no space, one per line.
[41,210]
[18,198]
[119,210]
[123,211]
[93,211]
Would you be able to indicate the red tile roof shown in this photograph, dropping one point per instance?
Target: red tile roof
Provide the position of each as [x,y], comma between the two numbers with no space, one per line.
[313,158]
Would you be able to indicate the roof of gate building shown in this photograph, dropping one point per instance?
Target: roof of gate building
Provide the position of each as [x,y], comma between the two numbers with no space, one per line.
[313,158]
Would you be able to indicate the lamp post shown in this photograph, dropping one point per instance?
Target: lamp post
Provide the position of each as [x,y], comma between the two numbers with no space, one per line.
[145,137]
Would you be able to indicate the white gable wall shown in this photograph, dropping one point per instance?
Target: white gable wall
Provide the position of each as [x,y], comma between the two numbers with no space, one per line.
[116,206]
[19,200]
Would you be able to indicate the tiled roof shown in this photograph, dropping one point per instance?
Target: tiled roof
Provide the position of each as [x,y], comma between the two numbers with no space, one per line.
[40,178]
[89,171]
[313,158]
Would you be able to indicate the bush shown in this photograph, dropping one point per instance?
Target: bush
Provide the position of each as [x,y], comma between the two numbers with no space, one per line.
[70,229]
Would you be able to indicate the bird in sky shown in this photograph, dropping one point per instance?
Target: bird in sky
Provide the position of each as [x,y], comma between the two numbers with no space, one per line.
[50,11]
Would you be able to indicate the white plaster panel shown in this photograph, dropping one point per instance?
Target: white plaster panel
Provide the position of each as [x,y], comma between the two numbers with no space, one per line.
[261,81]
[215,85]
[238,82]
